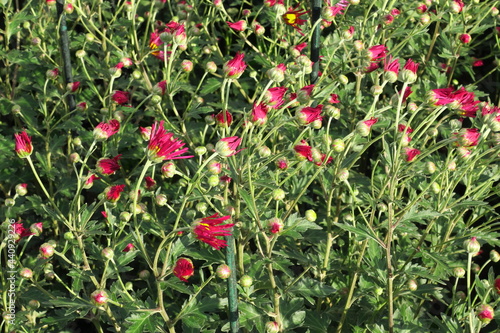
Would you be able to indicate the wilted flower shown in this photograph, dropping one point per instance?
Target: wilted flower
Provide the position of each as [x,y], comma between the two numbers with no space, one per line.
[209,228]
[163,146]
[23,148]
[183,269]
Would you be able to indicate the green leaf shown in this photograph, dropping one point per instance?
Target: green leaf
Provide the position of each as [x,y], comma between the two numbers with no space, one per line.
[309,288]
[414,215]
[360,231]
[176,284]
[250,316]
[141,322]
[210,86]
[195,312]
[250,204]
[292,312]
[317,323]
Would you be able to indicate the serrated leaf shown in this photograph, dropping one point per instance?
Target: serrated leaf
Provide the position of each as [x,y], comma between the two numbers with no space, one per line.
[249,202]
[176,284]
[361,231]
[211,85]
[310,287]
[414,215]
[249,315]
[141,322]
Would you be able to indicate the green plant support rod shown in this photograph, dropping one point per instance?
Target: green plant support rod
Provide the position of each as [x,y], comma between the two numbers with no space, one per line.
[231,286]
[66,58]
[316,15]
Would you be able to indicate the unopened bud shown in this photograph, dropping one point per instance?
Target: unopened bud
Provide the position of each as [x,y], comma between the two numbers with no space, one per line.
[278,194]
[458,272]
[223,271]
[472,245]
[311,215]
[246,281]
[161,200]
[108,253]
[26,273]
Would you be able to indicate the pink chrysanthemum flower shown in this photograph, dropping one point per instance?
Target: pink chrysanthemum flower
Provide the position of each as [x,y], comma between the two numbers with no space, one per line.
[20,231]
[183,269]
[129,247]
[23,148]
[104,130]
[468,137]
[241,25]
[303,151]
[411,153]
[209,228]
[259,114]
[391,69]
[274,96]
[223,118]
[108,166]
[376,52]
[235,67]
[120,97]
[409,72]
[89,181]
[227,146]
[150,183]
[163,146]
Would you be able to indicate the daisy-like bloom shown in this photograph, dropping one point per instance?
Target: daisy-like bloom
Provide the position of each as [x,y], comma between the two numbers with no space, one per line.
[163,146]
[150,183]
[160,88]
[120,97]
[241,25]
[409,72]
[277,74]
[468,137]
[99,297]
[108,166]
[223,118]
[104,130]
[259,114]
[463,101]
[209,228]
[411,153]
[274,96]
[23,148]
[391,69]
[364,126]
[376,52]
[235,67]
[183,269]
[155,42]
[303,151]
[114,192]
[309,114]
[227,146]
[129,247]
[292,18]
[89,181]
[485,313]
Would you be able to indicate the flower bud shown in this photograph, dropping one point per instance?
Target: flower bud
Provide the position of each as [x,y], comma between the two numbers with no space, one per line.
[168,169]
[74,158]
[412,285]
[275,225]
[246,281]
[215,168]
[125,216]
[108,253]
[223,271]
[36,228]
[430,167]
[68,235]
[343,79]
[472,245]
[494,256]
[458,272]
[187,66]
[144,274]
[21,189]
[9,202]
[99,297]
[46,250]
[161,200]
[34,304]
[201,207]
[343,175]
[278,194]
[272,327]
[485,313]
[264,151]
[311,215]
[436,188]
[201,150]
[213,180]
[26,273]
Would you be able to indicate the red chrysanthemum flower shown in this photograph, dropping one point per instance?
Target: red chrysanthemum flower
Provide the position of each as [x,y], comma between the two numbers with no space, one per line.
[292,18]
[21,231]
[150,183]
[411,153]
[89,181]
[108,166]
[120,97]
[468,137]
[183,269]
[163,146]
[304,151]
[23,148]
[223,118]
[104,130]
[274,96]
[334,99]
[241,25]
[309,114]
[114,192]
[128,248]
[376,52]
[391,69]
[209,228]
